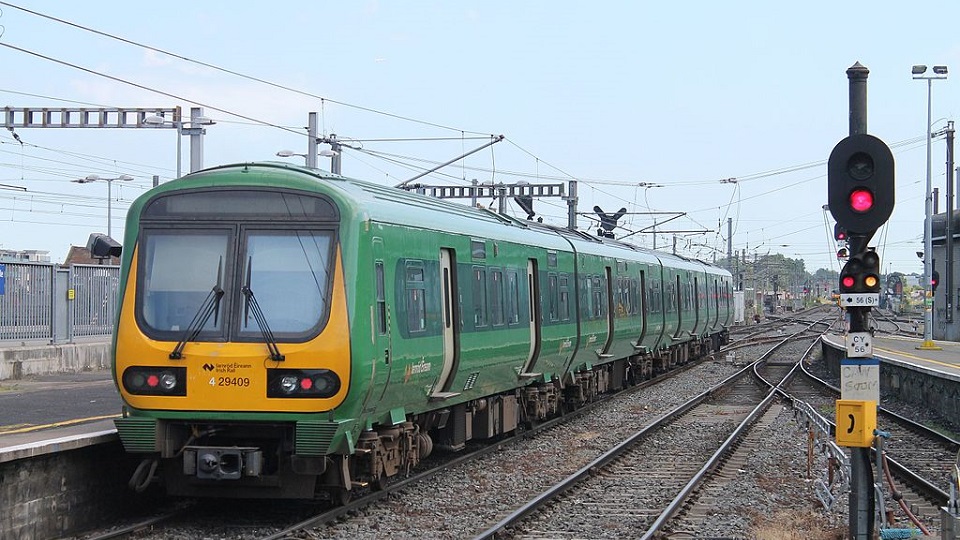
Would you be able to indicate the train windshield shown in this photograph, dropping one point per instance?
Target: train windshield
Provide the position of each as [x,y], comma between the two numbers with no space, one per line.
[288,271]
[180,269]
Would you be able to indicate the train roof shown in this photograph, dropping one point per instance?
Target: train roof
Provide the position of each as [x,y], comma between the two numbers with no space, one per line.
[393,205]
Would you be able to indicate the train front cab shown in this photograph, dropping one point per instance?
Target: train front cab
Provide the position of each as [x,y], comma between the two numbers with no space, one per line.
[231,339]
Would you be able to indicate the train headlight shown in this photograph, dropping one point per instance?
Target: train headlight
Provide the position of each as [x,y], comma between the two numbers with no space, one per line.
[155,381]
[288,384]
[168,381]
[302,383]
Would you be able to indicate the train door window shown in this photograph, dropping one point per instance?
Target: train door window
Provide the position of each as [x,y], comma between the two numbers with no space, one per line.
[553,297]
[479,296]
[416,301]
[496,297]
[381,299]
[513,297]
[597,285]
[585,297]
[564,297]
[551,259]
[654,301]
[670,298]
[632,287]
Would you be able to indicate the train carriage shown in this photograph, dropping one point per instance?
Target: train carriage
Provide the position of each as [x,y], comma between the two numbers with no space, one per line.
[284,332]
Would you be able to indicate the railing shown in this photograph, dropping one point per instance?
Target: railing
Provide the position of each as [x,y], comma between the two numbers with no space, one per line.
[48,302]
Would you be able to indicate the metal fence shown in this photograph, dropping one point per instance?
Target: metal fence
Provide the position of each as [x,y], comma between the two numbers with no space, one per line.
[48,302]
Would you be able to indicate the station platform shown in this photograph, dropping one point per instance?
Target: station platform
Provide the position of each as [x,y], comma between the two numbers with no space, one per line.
[903,351]
[57,412]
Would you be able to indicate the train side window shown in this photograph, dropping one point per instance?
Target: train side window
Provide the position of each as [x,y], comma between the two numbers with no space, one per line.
[416,303]
[479,296]
[513,297]
[381,299]
[496,297]
[554,297]
[564,298]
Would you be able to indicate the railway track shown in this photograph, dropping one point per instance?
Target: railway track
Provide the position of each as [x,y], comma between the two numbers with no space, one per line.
[636,487]
[455,500]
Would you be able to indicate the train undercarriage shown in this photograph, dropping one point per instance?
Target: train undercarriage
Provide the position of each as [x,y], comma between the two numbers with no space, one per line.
[261,461]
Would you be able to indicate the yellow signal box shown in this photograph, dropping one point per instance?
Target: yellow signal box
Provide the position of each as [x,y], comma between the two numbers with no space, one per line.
[856,422]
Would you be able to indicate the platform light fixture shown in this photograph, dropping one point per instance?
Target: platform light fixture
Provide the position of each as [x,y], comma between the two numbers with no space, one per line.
[939,72]
[96,178]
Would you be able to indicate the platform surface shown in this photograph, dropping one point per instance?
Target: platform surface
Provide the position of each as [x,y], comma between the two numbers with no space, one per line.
[943,362]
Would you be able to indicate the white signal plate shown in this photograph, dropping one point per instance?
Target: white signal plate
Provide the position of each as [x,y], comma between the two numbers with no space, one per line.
[859,299]
[859,345]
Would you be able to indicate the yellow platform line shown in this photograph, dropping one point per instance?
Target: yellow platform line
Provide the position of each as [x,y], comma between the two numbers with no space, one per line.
[55,424]
[908,355]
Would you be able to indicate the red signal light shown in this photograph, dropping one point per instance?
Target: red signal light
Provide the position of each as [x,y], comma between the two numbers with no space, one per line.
[847,281]
[861,200]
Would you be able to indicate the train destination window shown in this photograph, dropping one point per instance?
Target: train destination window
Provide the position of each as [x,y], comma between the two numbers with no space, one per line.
[478,249]
[220,204]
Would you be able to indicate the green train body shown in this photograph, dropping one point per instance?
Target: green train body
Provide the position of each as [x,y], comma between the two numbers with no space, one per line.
[436,324]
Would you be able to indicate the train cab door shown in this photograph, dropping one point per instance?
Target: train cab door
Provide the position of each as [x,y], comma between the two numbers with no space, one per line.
[533,294]
[381,373]
[450,314]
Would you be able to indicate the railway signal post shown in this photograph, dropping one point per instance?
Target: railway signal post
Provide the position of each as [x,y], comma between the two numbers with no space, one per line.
[860,179]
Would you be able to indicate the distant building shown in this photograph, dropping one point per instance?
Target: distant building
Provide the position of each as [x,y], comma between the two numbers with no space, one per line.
[26,255]
[81,255]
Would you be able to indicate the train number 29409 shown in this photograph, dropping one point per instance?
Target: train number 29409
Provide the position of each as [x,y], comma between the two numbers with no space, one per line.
[229,381]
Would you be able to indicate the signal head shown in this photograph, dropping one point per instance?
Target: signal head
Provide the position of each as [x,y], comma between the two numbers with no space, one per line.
[839,233]
[860,181]
[934,281]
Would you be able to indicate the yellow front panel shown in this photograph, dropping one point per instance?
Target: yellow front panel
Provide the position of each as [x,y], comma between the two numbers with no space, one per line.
[233,376]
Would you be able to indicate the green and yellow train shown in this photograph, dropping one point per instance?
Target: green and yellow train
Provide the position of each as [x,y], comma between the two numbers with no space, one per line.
[285,332]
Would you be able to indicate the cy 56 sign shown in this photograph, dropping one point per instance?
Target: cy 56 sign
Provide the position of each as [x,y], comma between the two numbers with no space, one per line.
[859,345]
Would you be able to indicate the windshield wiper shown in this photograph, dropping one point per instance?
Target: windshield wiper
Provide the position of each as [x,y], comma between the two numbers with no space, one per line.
[210,306]
[251,304]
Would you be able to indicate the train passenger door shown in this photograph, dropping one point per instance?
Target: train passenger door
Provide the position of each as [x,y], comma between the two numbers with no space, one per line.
[716,303]
[450,313]
[611,313]
[642,309]
[697,306]
[533,290]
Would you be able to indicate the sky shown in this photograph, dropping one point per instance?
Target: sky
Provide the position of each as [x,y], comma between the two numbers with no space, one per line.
[687,114]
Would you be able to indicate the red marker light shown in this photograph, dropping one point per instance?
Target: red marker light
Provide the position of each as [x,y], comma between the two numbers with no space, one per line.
[306,383]
[153,381]
[847,281]
[861,200]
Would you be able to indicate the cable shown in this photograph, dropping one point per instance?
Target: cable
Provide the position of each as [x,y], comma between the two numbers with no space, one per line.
[234,73]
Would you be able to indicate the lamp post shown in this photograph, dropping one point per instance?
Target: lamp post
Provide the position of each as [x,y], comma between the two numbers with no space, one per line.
[939,72]
[306,157]
[94,178]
